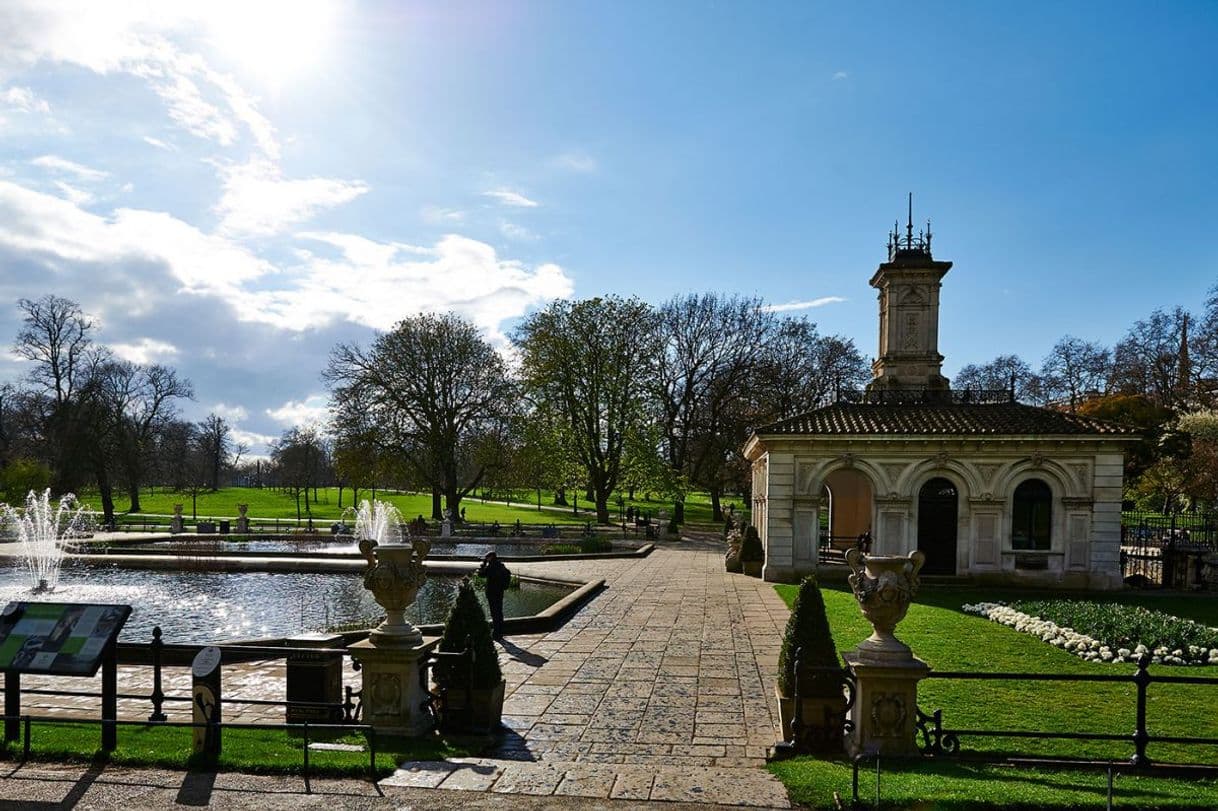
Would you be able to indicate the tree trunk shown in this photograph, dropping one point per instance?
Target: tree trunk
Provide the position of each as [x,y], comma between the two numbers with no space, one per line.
[630,493]
[194,505]
[560,497]
[133,493]
[340,496]
[437,514]
[602,508]
[538,499]
[716,505]
[106,491]
[297,505]
[678,510]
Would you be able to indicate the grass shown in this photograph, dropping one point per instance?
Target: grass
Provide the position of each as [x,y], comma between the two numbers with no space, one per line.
[246,750]
[957,785]
[946,638]
[265,503]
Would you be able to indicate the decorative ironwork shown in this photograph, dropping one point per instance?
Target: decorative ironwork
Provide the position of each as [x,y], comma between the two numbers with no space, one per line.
[925,396]
[934,740]
[908,245]
[807,737]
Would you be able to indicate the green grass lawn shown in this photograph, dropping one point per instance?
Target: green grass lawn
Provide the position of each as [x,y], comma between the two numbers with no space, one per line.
[248,750]
[274,504]
[946,638]
[960,785]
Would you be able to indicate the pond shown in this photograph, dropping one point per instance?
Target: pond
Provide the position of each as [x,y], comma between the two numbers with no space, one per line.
[331,546]
[212,607]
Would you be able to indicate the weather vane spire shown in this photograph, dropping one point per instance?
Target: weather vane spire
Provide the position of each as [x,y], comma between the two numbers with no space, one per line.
[908,244]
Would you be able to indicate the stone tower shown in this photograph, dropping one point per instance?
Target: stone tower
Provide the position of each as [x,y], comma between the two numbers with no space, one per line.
[909,285]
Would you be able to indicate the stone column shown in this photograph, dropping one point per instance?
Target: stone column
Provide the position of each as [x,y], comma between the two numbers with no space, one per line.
[394,685]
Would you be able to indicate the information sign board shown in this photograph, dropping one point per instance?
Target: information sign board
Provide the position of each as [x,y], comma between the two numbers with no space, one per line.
[58,639]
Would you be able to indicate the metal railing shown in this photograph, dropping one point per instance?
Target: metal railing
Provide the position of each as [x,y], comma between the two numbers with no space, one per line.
[938,739]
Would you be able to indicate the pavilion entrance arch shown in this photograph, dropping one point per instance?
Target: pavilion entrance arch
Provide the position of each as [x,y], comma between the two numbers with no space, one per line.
[851,507]
[938,510]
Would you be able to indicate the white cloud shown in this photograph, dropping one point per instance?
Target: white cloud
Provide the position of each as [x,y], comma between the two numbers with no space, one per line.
[436,215]
[78,197]
[508,197]
[576,162]
[23,100]
[257,200]
[371,284]
[144,351]
[229,413]
[312,410]
[841,74]
[48,227]
[159,144]
[252,439]
[801,305]
[516,232]
[64,166]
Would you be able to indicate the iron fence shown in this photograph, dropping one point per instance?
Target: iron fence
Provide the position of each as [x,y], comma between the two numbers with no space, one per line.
[1168,551]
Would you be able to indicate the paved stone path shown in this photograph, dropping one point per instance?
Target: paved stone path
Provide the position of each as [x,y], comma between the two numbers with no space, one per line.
[661,688]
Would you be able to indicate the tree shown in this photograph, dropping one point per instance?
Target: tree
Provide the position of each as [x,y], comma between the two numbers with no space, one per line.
[434,389]
[137,402]
[1153,359]
[299,459]
[802,369]
[587,361]
[215,441]
[710,345]
[55,339]
[1075,369]
[1002,373]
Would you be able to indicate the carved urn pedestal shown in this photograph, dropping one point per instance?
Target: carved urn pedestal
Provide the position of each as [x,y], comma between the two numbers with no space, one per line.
[394,696]
[886,671]
[393,658]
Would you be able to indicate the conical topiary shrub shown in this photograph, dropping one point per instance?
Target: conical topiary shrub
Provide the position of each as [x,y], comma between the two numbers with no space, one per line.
[807,629]
[823,704]
[467,620]
[752,552]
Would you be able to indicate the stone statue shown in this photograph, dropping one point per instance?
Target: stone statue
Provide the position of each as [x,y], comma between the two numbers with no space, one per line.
[446,526]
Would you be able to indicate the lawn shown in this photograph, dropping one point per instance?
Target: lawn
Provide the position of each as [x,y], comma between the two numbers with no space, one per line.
[941,634]
[248,750]
[271,504]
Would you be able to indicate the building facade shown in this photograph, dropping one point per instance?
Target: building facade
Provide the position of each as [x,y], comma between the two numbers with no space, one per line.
[987,487]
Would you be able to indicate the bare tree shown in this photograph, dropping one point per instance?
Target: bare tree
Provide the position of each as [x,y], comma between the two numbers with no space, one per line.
[216,443]
[803,368]
[1074,369]
[1153,359]
[588,361]
[1003,372]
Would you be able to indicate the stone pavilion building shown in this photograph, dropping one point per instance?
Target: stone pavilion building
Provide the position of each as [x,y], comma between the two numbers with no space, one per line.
[985,486]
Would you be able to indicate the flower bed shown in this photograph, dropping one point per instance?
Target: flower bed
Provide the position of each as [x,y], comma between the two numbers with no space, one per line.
[1107,632]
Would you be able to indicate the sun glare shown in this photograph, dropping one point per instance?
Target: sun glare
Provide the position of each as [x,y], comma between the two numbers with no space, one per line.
[276,41]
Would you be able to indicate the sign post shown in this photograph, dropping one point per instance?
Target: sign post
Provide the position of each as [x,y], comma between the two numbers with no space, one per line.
[61,639]
[205,700]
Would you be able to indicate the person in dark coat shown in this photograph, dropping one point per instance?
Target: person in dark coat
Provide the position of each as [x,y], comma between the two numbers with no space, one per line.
[497,579]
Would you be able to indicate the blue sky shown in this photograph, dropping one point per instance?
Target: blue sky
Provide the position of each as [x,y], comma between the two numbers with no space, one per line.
[233,187]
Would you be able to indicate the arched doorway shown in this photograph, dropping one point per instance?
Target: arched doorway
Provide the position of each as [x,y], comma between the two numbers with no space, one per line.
[937,506]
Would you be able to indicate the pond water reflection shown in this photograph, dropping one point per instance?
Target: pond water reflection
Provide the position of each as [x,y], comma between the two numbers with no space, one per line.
[197,607]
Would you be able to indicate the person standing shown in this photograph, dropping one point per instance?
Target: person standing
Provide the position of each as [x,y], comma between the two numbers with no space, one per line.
[497,579]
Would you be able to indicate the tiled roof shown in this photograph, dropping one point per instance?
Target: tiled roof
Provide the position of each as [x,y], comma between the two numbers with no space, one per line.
[917,419]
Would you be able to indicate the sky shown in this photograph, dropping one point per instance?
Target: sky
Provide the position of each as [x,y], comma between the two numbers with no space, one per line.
[232,188]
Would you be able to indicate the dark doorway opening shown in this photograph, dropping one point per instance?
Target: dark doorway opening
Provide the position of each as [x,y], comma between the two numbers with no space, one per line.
[937,507]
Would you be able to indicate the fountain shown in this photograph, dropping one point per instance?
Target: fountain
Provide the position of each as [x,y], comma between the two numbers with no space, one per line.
[393,658]
[395,570]
[41,530]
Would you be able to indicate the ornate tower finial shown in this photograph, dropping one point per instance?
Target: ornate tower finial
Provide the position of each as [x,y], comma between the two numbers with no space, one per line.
[909,222]
[908,244]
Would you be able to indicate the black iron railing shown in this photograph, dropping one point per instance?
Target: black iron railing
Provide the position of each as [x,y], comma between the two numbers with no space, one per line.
[925,396]
[936,738]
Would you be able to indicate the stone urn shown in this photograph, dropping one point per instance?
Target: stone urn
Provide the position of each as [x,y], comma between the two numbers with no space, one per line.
[884,586]
[394,575]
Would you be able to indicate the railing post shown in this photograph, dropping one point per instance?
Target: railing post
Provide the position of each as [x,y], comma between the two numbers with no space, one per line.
[308,788]
[12,705]
[1141,737]
[158,695]
[797,710]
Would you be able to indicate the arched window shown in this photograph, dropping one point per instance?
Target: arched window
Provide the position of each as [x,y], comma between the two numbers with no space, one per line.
[1032,516]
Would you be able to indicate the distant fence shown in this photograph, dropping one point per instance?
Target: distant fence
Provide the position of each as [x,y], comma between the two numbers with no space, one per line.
[1168,550]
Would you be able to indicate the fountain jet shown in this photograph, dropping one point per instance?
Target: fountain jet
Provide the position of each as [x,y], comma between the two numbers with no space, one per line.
[41,530]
